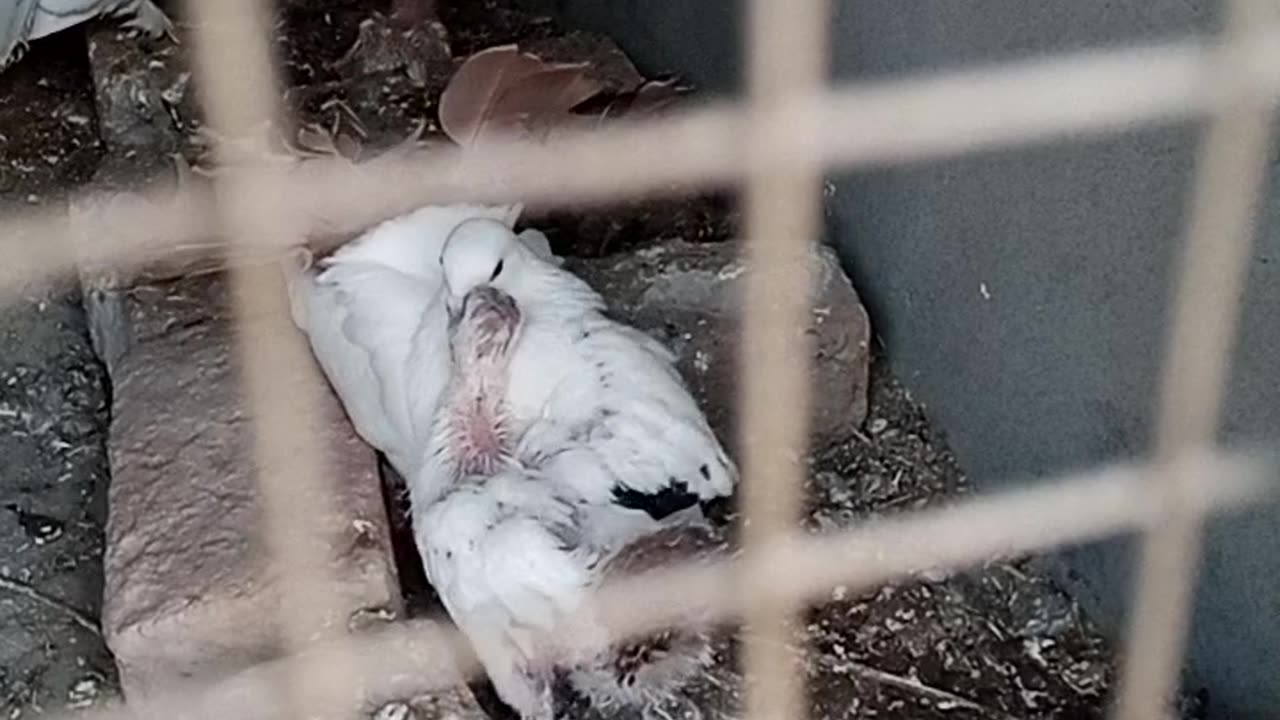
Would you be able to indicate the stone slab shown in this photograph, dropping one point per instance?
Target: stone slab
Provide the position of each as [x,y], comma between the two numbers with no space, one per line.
[188,592]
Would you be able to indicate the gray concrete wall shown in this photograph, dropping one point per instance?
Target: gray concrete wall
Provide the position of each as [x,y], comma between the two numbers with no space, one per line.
[1074,243]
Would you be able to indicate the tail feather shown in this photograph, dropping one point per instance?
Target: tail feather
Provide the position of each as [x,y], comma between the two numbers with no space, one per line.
[643,671]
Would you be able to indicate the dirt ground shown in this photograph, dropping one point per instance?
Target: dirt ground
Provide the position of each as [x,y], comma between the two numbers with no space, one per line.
[1000,641]
[53,405]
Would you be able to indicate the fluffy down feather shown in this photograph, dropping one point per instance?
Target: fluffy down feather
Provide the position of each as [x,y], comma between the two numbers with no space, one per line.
[505,558]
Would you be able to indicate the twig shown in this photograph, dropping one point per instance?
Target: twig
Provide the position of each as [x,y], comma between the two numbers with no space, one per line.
[75,615]
[911,685]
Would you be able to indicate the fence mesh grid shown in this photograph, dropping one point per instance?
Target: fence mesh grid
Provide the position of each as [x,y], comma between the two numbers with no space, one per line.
[779,143]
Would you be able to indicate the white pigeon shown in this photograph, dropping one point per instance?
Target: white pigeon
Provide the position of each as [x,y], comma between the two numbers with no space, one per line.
[593,401]
[508,549]
[373,313]
[22,21]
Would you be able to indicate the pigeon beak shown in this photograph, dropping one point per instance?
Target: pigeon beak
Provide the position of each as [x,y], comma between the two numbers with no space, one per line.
[454,307]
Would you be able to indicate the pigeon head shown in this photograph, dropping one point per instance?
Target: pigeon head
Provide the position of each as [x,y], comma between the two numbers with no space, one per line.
[481,252]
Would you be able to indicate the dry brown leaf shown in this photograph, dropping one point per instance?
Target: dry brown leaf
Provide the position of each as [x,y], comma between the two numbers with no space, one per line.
[651,98]
[606,62]
[315,139]
[347,146]
[544,99]
[503,90]
[655,96]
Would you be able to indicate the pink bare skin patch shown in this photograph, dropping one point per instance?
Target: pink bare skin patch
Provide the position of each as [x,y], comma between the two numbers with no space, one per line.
[481,342]
[478,439]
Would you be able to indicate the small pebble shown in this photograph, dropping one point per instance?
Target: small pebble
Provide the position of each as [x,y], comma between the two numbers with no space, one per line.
[701,361]
[877,426]
[83,693]
[933,575]
[394,711]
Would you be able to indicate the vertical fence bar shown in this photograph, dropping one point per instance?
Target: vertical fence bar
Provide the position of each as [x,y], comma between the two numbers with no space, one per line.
[1229,182]
[787,59]
[236,72]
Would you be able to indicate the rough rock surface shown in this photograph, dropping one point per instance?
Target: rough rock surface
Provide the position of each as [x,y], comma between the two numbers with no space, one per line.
[187,589]
[53,405]
[689,296]
[141,88]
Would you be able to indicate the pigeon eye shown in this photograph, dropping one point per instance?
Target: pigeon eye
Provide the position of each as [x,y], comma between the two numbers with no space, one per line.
[496,271]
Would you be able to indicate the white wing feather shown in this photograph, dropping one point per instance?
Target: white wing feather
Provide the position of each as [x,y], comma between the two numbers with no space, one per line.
[594,385]
[373,312]
[379,335]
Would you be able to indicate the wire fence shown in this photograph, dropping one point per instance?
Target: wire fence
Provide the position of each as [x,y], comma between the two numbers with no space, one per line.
[778,141]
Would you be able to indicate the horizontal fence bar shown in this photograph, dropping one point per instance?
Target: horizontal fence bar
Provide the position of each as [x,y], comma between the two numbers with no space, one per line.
[418,657]
[1071,509]
[882,122]
[392,664]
